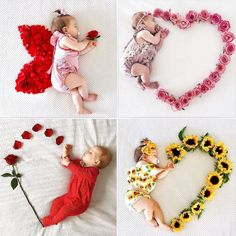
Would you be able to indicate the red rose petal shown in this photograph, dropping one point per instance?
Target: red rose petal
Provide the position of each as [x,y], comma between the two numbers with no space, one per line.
[48,132]
[26,135]
[17,144]
[11,159]
[37,127]
[59,140]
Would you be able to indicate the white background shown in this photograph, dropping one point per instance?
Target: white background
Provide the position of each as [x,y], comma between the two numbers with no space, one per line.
[186,58]
[98,66]
[45,179]
[182,185]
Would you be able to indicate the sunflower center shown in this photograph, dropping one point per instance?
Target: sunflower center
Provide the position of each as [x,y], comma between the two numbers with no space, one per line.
[197,208]
[186,215]
[176,152]
[190,141]
[207,193]
[177,225]
[214,180]
[219,150]
[207,143]
[225,165]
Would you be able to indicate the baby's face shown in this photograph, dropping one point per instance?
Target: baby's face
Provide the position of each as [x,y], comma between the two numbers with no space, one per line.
[72,28]
[92,156]
[150,23]
[152,158]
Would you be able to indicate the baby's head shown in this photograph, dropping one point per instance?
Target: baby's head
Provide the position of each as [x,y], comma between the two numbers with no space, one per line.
[97,156]
[146,151]
[144,19]
[65,23]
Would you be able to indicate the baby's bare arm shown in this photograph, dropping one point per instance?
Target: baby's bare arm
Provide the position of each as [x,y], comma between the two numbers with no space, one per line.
[67,150]
[89,47]
[78,46]
[165,171]
[147,36]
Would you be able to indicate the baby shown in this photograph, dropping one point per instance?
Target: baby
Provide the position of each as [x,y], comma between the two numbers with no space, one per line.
[142,48]
[83,178]
[65,75]
[142,180]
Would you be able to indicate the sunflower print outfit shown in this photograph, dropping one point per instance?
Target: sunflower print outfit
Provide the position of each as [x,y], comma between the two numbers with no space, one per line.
[142,181]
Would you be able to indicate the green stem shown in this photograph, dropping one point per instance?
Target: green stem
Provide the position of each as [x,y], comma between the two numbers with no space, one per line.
[27,198]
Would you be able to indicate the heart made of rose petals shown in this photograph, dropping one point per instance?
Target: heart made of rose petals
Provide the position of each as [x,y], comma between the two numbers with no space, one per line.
[208,83]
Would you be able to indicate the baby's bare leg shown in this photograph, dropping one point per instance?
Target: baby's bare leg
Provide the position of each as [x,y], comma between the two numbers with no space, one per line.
[152,212]
[144,73]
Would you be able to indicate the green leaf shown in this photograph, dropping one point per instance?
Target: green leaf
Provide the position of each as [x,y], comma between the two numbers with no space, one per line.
[14,183]
[6,175]
[200,214]
[181,133]
[211,153]
[13,172]
[18,175]
[207,134]
[225,178]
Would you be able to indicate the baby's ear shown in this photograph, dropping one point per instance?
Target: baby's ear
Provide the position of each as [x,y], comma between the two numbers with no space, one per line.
[64,29]
[97,162]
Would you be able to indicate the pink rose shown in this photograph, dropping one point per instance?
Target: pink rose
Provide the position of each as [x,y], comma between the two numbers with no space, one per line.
[224,26]
[224,59]
[170,100]
[174,18]
[204,88]
[189,94]
[191,16]
[214,76]
[229,48]
[177,105]
[220,68]
[157,12]
[165,15]
[209,83]
[204,15]
[183,24]
[162,94]
[227,37]
[215,19]
[184,101]
[197,91]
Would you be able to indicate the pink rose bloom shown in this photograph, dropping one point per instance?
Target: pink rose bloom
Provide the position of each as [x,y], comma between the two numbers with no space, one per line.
[229,48]
[165,15]
[220,68]
[191,16]
[170,100]
[197,91]
[214,76]
[204,88]
[209,83]
[224,26]
[183,24]
[174,18]
[227,37]
[204,15]
[224,59]
[177,105]
[215,19]
[162,94]
[184,101]
[189,94]
[157,12]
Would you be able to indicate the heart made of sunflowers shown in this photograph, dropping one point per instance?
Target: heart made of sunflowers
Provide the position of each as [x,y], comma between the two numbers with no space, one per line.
[209,82]
[176,152]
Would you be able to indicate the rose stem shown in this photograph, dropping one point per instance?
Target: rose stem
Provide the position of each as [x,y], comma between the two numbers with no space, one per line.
[27,197]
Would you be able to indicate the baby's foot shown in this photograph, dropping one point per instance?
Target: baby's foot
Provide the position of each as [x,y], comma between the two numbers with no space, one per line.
[153,223]
[165,226]
[141,86]
[67,150]
[84,111]
[91,97]
[152,85]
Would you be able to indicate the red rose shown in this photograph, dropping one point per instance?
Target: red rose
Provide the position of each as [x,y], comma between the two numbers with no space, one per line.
[17,144]
[204,15]
[197,91]
[229,48]
[59,140]
[227,37]
[224,59]
[214,76]
[26,135]
[224,26]
[92,34]
[177,105]
[162,94]
[157,12]
[48,132]
[220,68]
[183,24]
[170,100]
[184,101]
[215,19]
[165,15]
[209,83]
[37,127]
[11,159]
[191,16]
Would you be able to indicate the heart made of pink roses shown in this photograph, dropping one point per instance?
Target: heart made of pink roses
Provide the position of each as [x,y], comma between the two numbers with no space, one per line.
[208,83]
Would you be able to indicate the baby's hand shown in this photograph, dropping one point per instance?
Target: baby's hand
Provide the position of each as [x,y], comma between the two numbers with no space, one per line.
[164,33]
[65,161]
[92,44]
[170,166]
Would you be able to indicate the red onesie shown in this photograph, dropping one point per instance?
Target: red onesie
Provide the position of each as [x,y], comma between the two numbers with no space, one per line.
[79,194]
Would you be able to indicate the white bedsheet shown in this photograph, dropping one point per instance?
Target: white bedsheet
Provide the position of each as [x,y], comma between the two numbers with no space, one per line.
[98,66]
[186,58]
[44,178]
[182,185]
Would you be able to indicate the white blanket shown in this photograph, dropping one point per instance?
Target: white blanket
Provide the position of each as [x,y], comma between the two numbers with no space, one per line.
[98,66]
[44,178]
[182,185]
[186,58]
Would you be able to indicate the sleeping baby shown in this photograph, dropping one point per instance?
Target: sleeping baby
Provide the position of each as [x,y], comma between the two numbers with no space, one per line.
[84,174]
[142,180]
[142,48]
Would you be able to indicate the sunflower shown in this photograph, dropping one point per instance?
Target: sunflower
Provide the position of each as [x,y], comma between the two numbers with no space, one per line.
[149,148]
[177,225]
[175,152]
[207,143]
[197,207]
[207,193]
[219,150]
[214,179]
[225,166]
[186,216]
[190,141]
